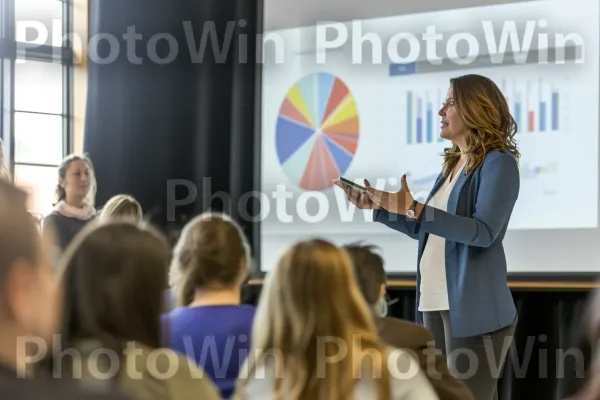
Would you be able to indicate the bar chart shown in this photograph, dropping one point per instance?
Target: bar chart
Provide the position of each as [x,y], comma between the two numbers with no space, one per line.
[422,118]
[534,104]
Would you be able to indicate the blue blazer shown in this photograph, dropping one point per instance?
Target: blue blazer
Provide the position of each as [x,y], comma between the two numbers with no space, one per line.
[474,225]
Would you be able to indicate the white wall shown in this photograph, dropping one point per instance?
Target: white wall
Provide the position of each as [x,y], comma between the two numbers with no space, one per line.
[282,14]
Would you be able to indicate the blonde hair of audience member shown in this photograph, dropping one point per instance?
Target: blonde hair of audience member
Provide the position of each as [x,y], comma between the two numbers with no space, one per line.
[76,181]
[114,276]
[122,206]
[30,301]
[211,261]
[310,295]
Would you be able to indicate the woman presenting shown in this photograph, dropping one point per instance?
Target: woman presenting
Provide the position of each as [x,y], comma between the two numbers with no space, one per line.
[462,293]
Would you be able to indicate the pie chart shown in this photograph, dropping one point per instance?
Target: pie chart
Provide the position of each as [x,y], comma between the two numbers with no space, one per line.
[317,131]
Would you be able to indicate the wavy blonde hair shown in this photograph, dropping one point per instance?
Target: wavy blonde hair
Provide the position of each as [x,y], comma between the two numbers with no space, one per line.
[490,126]
[309,297]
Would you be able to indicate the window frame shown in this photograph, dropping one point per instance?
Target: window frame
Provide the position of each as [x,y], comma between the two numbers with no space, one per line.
[10,52]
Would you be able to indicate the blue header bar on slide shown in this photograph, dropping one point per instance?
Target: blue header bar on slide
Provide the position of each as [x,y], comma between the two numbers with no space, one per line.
[403,69]
[571,54]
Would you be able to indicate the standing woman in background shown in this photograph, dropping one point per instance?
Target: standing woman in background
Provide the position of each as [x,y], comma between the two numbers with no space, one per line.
[462,290]
[75,195]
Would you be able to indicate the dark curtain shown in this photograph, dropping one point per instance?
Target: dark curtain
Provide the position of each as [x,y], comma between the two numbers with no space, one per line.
[178,133]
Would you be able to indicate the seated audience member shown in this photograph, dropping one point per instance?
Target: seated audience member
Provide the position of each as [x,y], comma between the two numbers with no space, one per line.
[4,172]
[121,206]
[371,277]
[30,305]
[114,274]
[314,336]
[210,263]
[75,194]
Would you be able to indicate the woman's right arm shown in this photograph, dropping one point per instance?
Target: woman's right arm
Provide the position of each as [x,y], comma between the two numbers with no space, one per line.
[396,222]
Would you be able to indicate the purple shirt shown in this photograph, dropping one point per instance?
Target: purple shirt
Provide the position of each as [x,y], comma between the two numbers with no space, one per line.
[217,337]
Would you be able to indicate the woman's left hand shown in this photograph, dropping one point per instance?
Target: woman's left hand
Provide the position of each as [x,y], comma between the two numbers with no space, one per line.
[394,202]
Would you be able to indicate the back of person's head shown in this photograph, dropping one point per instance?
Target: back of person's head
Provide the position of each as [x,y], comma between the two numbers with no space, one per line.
[29,299]
[212,253]
[370,273]
[114,276]
[310,308]
[121,206]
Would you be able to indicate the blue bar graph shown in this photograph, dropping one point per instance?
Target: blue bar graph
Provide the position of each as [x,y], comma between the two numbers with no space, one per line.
[542,116]
[421,116]
[554,111]
[535,106]
[429,123]
[419,121]
[409,116]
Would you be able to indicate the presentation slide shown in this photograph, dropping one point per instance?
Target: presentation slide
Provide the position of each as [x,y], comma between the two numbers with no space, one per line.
[360,98]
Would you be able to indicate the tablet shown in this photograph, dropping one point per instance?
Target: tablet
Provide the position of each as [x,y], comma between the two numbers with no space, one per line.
[352,185]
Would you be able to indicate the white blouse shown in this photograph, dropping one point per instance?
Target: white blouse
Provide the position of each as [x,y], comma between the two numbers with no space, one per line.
[434,290]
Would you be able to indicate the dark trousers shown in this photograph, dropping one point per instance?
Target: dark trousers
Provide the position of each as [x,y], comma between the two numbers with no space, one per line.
[478,360]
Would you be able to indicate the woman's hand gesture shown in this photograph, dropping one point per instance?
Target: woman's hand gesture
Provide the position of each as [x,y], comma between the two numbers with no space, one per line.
[394,202]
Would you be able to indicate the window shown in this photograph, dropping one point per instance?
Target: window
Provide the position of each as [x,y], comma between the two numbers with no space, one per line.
[35,81]
[44,16]
[39,182]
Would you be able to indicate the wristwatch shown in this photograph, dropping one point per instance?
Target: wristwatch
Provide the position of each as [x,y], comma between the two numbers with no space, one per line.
[411,210]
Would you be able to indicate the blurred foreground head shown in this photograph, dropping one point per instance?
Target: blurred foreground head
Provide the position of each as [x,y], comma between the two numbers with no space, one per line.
[114,274]
[29,296]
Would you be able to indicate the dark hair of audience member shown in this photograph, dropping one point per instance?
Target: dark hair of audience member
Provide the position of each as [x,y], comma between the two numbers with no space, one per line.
[114,276]
[369,271]
[212,253]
